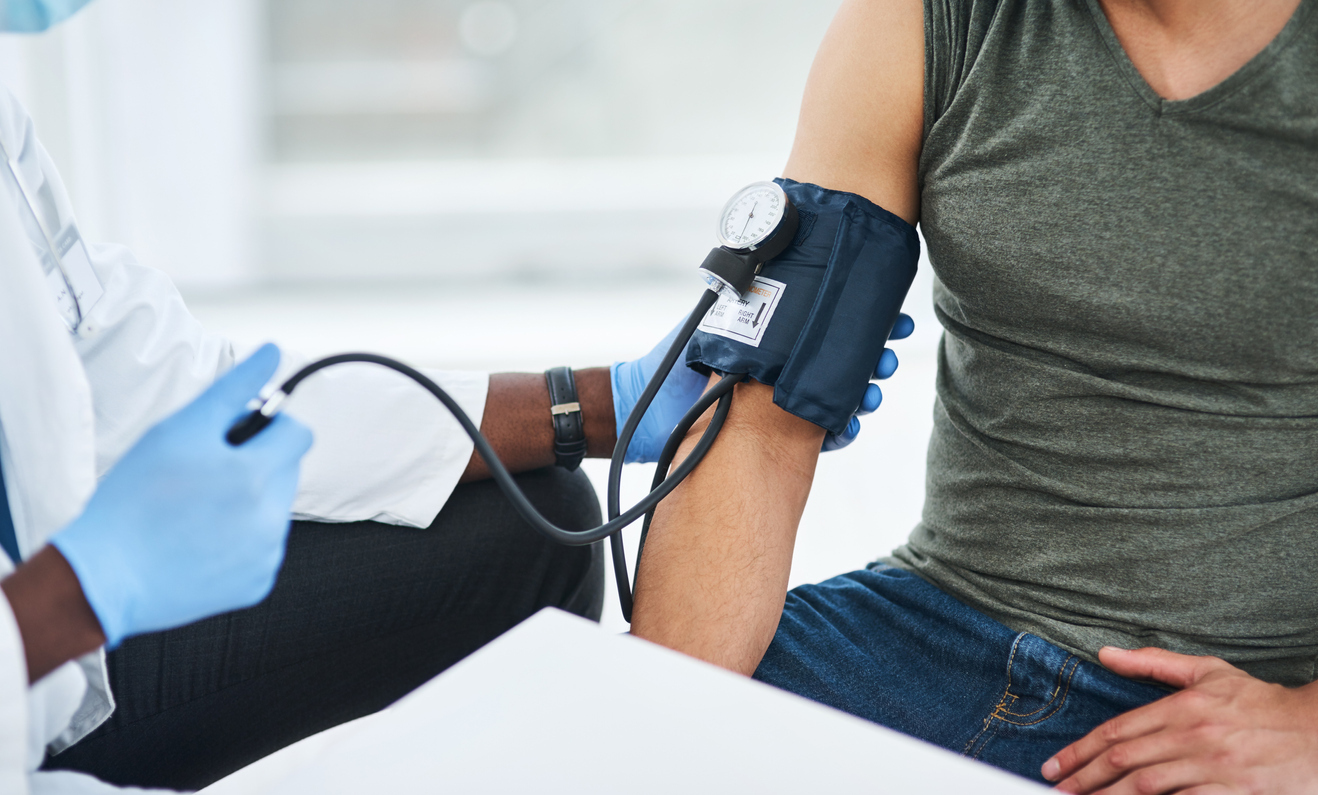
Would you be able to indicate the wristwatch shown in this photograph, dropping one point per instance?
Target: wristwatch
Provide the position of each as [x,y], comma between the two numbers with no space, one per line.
[565,411]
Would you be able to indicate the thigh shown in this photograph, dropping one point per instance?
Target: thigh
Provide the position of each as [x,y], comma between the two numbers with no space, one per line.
[362,614]
[1049,699]
[887,646]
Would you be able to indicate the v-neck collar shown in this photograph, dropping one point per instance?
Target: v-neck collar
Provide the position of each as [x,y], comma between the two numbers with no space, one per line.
[1233,83]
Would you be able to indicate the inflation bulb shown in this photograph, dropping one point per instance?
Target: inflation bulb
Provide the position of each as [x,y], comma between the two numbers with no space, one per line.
[262,415]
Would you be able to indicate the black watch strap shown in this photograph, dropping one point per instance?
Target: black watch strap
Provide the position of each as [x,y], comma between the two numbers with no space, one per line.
[565,410]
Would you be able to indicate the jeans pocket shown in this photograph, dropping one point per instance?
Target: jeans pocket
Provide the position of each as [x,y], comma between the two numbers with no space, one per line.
[1038,681]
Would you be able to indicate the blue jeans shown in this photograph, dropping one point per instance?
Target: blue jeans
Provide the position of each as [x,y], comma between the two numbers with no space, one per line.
[887,646]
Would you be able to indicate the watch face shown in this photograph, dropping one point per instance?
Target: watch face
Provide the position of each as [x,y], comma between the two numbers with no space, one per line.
[750,217]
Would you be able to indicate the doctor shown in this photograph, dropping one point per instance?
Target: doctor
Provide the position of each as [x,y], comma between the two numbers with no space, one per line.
[133,519]
[134,522]
[138,530]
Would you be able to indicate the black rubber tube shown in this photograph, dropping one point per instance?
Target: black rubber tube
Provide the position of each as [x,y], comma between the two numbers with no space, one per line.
[720,392]
[664,482]
[628,428]
[613,497]
[500,474]
[665,460]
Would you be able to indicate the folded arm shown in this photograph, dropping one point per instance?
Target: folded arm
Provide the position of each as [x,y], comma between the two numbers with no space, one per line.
[714,576]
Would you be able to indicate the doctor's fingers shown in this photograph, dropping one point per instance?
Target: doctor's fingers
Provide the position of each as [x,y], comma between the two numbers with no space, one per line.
[887,364]
[283,442]
[226,400]
[271,516]
[888,359]
[257,571]
[837,441]
[903,328]
[870,401]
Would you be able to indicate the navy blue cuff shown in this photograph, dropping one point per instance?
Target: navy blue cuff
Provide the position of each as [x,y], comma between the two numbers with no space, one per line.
[846,275]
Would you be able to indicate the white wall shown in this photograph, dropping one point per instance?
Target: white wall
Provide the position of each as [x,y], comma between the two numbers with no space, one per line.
[601,142]
[164,117]
[150,109]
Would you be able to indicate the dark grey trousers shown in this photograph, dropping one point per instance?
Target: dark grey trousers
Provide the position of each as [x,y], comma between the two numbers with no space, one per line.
[362,614]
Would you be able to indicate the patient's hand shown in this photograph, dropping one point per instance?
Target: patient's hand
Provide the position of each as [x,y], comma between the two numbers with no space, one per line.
[1225,731]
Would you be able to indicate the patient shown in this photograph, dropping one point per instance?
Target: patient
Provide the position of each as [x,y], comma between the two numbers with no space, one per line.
[134,526]
[1118,199]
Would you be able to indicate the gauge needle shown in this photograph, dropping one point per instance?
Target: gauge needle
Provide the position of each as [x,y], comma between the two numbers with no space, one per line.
[748,220]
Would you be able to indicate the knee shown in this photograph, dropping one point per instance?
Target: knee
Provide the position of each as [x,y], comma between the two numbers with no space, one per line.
[568,499]
[567,577]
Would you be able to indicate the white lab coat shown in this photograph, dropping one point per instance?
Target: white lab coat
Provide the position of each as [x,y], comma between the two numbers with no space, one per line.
[72,403]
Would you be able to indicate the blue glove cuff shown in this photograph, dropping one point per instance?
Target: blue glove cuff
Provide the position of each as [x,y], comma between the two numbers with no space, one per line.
[846,275]
[619,415]
[108,595]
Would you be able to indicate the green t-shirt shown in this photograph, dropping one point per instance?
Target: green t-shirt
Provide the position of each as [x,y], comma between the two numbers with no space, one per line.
[1125,445]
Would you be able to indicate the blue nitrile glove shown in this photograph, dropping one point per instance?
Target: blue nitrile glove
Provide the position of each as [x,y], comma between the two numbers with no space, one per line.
[33,16]
[186,526]
[873,395]
[681,389]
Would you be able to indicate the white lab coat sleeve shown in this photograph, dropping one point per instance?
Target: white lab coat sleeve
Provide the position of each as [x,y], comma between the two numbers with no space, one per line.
[66,782]
[51,704]
[144,354]
[13,702]
[385,449]
[31,716]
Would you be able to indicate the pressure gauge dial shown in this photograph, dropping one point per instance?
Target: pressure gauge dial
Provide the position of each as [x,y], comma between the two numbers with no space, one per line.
[752,216]
[756,225]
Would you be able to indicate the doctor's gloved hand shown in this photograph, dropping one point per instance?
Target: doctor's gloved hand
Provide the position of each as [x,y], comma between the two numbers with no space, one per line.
[681,389]
[873,395]
[186,526]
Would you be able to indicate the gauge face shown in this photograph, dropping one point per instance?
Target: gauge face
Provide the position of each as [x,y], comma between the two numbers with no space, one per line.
[752,215]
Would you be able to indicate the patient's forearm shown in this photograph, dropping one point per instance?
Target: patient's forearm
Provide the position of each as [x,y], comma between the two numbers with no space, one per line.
[714,575]
[518,425]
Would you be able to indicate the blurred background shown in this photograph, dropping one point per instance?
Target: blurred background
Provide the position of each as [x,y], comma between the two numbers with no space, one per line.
[476,184]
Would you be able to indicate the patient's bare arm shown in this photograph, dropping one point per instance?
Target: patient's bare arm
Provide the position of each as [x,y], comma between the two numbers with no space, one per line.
[714,575]
[517,422]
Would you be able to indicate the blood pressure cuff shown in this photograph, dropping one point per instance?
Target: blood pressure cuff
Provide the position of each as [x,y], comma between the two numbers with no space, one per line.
[815,322]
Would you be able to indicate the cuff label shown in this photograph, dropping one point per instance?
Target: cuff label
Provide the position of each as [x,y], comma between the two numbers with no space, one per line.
[744,318]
